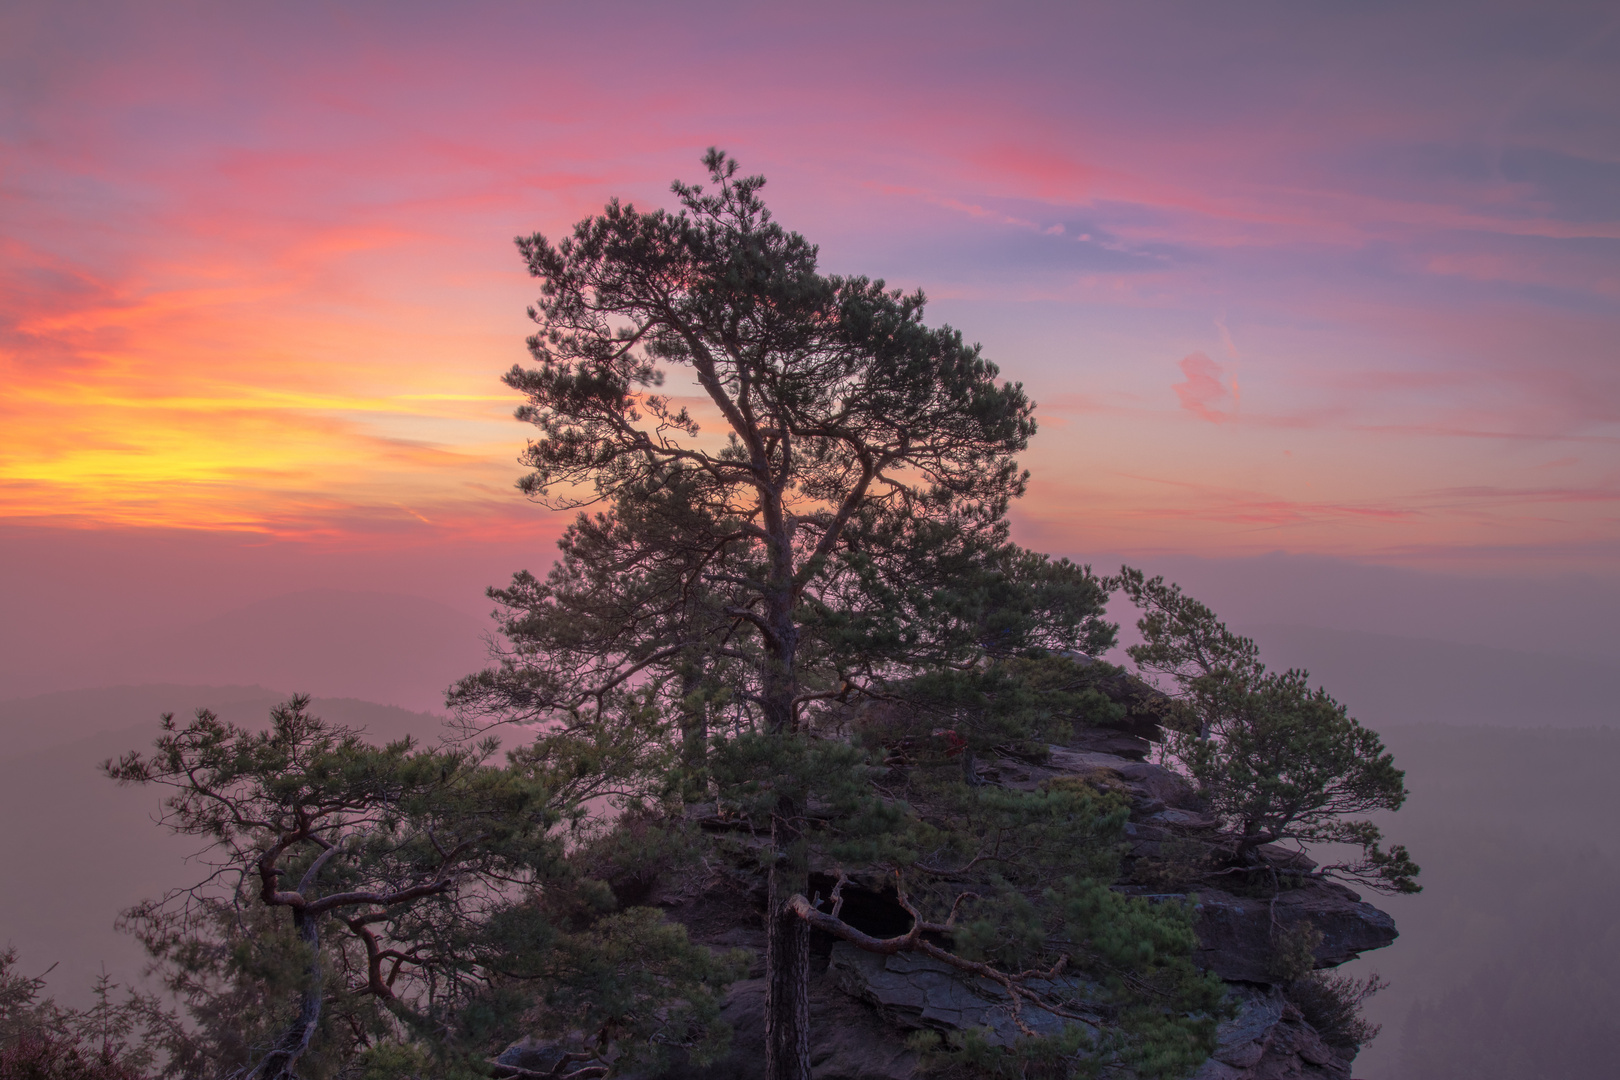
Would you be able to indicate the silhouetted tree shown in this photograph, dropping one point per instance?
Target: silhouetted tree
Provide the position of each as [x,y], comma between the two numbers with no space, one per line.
[117,1038]
[839,544]
[444,878]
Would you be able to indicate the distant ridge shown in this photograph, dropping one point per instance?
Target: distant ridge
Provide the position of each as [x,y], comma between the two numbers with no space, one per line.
[389,648]
[47,721]
[58,909]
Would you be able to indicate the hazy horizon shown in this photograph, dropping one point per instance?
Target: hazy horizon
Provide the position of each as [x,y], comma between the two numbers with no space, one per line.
[1387,679]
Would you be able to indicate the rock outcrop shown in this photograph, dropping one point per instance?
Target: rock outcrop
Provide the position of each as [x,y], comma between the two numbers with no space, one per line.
[864,1005]
[1236,933]
[1270,1040]
[913,991]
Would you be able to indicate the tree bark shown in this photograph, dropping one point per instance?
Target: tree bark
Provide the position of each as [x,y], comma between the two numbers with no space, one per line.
[694,721]
[787,937]
[787,952]
[280,1063]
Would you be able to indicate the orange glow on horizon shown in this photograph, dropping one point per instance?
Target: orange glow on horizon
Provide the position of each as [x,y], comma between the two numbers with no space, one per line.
[256,275]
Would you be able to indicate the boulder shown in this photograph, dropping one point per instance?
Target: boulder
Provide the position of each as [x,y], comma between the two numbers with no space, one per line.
[533,1057]
[1109,741]
[1183,820]
[1146,707]
[1236,933]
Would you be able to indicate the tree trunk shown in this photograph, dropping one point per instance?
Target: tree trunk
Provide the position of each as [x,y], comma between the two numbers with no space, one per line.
[787,937]
[694,721]
[282,1060]
[970,769]
[787,952]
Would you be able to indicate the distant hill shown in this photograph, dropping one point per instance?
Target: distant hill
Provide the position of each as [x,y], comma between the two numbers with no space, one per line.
[77,848]
[30,725]
[383,647]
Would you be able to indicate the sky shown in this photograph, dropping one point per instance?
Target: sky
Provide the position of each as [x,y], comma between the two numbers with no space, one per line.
[1319,303]
[1334,282]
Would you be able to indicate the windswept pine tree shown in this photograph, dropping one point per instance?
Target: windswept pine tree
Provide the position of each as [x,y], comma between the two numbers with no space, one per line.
[1275,759]
[395,910]
[818,571]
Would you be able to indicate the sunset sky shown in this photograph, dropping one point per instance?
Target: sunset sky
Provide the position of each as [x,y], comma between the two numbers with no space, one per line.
[1333,280]
[1319,301]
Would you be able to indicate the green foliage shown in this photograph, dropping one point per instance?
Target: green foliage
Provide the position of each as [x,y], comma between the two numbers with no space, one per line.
[23,1008]
[390,1061]
[118,1038]
[1027,875]
[237,970]
[811,620]
[1032,859]
[1293,951]
[1167,1009]
[636,975]
[457,917]
[969,1055]
[47,1057]
[1183,859]
[1274,758]
[1332,1004]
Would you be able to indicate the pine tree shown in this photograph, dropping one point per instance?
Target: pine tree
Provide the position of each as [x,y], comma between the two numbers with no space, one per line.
[395,904]
[824,577]
[1274,758]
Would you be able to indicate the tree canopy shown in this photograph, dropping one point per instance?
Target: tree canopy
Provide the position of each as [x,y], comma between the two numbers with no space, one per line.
[863,466]
[799,559]
[457,914]
[1276,759]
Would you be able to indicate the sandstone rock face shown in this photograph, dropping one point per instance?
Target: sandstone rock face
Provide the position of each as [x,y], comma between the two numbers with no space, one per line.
[1236,933]
[848,1040]
[1269,1040]
[863,1005]
[1109,741]
[1151,788]
[913,991]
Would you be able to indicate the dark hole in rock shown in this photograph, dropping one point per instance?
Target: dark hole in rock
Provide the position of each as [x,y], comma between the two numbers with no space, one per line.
[870,912]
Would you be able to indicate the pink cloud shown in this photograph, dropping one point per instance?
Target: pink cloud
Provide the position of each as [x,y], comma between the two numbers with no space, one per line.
[1204,392]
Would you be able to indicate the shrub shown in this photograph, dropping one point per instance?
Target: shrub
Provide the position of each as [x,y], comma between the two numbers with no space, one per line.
[1332,1005]
[33,1056]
